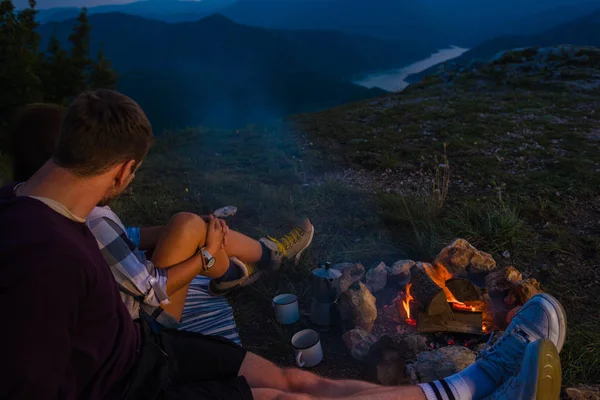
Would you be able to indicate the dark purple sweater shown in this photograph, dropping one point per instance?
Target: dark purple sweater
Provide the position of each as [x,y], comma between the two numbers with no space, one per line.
[64,331]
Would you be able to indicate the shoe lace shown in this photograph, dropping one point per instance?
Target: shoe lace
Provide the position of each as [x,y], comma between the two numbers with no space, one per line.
[506,388]
[288,240]
[512,348]
[251,267]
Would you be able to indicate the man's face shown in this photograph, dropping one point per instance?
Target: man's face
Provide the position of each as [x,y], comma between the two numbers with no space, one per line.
[122,181]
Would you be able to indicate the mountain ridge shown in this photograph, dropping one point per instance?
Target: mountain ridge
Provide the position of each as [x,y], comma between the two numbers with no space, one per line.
[581,31]
[223,72]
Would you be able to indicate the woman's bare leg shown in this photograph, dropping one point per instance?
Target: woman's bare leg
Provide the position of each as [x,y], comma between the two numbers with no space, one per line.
[181,238]
[243,247]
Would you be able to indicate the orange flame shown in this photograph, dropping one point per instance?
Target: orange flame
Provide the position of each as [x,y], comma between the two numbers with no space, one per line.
[406,301]
[463,307]
[439,274]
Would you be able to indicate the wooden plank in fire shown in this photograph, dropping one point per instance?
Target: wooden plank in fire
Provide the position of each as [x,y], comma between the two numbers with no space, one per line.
[457,321]
[463,289]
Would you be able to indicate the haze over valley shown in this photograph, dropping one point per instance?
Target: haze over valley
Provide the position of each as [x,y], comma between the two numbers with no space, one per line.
[229,62]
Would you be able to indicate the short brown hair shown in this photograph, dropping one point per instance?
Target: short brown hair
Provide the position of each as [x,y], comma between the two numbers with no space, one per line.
[33,138]
[101,129]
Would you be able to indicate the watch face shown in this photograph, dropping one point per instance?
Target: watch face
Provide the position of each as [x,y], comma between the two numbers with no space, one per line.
[210,263]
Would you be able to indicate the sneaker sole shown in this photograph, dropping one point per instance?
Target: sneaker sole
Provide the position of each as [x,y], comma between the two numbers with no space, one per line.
[213,291]
[310,239]
[543,363]
[552,305]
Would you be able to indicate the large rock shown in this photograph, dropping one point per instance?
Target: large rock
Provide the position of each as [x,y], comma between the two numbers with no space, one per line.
[376,278]
[522,291]
[401,270]
[351,272]
[357,307]
[465,261]
[502,280]
[584,392]
[386,362]
[358,342]
[438,364]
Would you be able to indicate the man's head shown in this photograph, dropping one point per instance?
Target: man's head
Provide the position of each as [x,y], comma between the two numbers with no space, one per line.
[104,133]
[34,134]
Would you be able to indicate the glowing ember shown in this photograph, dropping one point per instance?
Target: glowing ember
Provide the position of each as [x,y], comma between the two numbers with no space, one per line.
[463,307]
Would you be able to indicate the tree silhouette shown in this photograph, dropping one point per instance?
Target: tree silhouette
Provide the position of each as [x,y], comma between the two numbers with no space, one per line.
[80,60]
[28,75]
[102,75]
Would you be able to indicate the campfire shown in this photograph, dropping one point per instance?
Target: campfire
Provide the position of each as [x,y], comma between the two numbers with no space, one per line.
[416,322]
[435,300]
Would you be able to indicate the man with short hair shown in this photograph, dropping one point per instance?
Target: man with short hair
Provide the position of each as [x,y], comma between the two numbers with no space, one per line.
[68,335]
[147,284]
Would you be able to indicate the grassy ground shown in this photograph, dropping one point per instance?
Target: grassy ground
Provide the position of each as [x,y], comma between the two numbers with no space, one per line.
[262,172]
[519,177]
[523,149]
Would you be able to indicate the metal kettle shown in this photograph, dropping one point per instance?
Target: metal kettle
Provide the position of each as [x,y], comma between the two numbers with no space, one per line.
[326,283]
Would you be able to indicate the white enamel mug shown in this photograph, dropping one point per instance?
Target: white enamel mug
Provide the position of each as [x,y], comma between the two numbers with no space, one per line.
[307,348]
[286,308]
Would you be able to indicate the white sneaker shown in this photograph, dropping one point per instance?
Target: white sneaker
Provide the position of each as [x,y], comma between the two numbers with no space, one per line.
[542,317]
[539,377]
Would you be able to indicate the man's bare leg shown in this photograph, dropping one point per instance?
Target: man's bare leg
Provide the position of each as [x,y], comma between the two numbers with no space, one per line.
[381,393]
[263,374]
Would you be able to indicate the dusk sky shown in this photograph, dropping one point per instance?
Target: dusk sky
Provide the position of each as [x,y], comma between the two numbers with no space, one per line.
[69,3]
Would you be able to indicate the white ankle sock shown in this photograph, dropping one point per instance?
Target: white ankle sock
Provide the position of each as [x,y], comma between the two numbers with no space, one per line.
[450,388]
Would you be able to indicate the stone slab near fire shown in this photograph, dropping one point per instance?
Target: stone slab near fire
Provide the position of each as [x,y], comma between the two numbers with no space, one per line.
[415,322]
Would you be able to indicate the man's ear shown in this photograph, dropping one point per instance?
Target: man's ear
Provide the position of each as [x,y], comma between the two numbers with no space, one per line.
[125,171]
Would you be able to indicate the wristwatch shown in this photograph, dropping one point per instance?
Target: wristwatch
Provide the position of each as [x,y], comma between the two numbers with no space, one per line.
[209,260]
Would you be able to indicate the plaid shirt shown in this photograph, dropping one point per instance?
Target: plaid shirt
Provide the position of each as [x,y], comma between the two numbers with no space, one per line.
[142,285]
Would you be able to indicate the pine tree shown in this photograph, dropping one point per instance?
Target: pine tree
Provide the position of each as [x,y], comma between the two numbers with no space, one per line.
[55,73]
[102,76]
[80,61]
[19,57]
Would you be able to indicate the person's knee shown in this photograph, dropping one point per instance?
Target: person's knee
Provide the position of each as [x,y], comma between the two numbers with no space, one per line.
[187,220]
[297,380]
[188,224]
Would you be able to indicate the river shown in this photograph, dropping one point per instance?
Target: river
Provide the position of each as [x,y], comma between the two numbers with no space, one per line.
[395,80]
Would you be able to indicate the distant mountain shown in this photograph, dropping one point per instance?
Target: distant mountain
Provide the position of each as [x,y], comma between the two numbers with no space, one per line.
[163,10]
[384,19]
[580,32]
[469,22]
[216,71]
[542,21]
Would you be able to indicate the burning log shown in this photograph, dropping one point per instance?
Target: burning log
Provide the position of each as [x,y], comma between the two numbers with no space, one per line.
[463,290]
[423,289]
